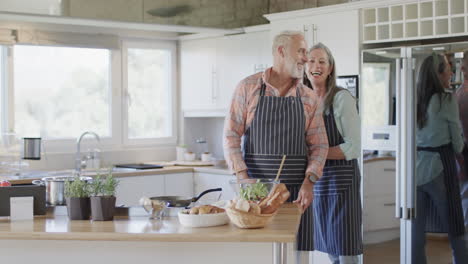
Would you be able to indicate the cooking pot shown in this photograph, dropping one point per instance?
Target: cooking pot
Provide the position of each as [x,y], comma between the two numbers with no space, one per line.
[183,201]
[55,188]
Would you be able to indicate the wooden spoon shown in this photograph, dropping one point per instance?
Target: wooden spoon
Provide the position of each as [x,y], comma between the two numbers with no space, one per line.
[280,168]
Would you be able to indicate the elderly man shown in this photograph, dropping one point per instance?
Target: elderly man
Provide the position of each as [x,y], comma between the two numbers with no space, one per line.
[277,115]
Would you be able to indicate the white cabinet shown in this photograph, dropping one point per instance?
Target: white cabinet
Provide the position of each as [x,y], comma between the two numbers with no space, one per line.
[132,188]
[414,20]
[239,56]
[198,74]
[379,195]
[337,30]
[211,69]
[180,184]
[204,181]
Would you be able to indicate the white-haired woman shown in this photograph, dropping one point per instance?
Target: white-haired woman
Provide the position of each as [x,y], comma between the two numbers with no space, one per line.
[337,201]
[438,137]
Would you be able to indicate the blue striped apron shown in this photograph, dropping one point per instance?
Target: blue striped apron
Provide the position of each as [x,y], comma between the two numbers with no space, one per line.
[337,202]
[278,129]
[455,221]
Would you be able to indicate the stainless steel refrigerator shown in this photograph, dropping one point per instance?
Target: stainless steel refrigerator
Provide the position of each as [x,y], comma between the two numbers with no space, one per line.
[388,113]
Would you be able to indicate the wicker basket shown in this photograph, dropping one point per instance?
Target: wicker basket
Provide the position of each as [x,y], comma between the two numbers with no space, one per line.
[242,219]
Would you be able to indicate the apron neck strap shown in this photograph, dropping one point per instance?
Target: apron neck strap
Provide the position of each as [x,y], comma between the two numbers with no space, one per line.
[263,88]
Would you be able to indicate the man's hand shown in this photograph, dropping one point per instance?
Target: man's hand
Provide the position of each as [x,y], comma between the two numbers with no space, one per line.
[306,195]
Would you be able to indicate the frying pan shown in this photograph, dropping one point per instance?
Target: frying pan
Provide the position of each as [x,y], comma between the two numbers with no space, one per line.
[183,201]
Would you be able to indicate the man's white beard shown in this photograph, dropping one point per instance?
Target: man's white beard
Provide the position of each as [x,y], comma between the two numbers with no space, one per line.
[293,69]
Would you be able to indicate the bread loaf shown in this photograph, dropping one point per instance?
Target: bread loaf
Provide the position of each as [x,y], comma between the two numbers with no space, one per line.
[254,208]
[279,194]
[206,209]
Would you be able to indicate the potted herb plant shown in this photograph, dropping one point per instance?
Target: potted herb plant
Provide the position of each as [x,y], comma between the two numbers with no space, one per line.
[103,197]
[77,198]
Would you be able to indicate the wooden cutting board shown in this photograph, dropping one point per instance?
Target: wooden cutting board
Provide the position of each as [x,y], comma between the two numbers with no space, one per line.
[194,163]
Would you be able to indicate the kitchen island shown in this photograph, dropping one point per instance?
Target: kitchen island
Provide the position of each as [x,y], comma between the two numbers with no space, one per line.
[129,239]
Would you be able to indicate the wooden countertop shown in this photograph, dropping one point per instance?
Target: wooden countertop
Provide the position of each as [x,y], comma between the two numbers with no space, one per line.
[283,228]
[131,173]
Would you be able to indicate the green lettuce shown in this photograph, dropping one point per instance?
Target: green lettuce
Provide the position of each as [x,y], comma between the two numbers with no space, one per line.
[253,191]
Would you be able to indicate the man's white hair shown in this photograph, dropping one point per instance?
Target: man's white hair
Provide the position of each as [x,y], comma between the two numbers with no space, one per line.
[284,38]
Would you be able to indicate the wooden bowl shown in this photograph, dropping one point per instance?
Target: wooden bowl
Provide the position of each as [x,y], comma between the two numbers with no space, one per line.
[242,219]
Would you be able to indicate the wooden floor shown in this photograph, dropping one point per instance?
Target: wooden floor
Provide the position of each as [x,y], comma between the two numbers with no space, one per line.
[437,251]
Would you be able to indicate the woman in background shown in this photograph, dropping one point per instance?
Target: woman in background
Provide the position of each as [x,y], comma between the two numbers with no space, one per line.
[439,137]
[337,201]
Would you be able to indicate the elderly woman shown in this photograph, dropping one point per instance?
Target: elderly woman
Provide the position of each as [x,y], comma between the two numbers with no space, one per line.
[337,202]
[439,137]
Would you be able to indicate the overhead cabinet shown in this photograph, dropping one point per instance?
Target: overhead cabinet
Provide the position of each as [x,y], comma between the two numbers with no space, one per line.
[211,68]
[414,20]
[198,74]
[337,30]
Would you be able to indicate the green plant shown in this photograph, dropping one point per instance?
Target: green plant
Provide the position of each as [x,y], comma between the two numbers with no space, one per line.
[104,186]
[96,185]
[77,188]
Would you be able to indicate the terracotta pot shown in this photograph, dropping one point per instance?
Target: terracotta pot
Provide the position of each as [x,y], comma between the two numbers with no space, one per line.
[102,208]
[78,208]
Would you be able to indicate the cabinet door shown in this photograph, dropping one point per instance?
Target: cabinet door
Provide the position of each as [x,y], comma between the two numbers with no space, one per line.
[204,181]
[334,30]
[379,213]
[238,56]
[379,178]
[179,184]
[131,189]
[197,71]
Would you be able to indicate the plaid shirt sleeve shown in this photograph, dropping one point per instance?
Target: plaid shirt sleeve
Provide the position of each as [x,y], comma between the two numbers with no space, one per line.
[234,128]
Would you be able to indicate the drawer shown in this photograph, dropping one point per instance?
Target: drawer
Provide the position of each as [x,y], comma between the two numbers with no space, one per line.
[379,213]
[379,178]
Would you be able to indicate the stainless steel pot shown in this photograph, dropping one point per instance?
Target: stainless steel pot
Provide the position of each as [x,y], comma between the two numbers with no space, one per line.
[55,188]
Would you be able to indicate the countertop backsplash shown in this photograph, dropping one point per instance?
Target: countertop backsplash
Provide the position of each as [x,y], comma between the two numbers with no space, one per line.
[209,128]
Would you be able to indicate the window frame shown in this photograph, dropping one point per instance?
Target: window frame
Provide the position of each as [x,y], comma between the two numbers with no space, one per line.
[144,44]
[118,139]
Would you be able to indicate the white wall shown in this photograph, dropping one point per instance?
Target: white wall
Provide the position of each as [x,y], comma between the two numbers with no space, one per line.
[210,128]
[61,161]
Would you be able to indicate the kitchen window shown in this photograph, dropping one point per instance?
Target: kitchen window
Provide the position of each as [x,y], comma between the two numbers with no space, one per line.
[148,71]
[61,91]
[125,93]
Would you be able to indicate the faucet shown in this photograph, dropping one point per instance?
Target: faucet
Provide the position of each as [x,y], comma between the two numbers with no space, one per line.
[78,159]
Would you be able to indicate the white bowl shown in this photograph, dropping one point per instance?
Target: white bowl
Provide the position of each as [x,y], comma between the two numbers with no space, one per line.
[203,220]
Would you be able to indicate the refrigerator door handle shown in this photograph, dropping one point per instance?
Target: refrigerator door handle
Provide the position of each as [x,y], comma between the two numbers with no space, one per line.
[406,147]
[403,141]
[411,201]
[398,209]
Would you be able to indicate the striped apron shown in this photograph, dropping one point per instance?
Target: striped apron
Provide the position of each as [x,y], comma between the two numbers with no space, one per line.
[278,129]
[455,221]
[337,202]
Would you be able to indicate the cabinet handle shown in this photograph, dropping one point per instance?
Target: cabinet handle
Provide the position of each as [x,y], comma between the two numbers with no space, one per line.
[389,169]
[314,28]
[213,85]
[389,204]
